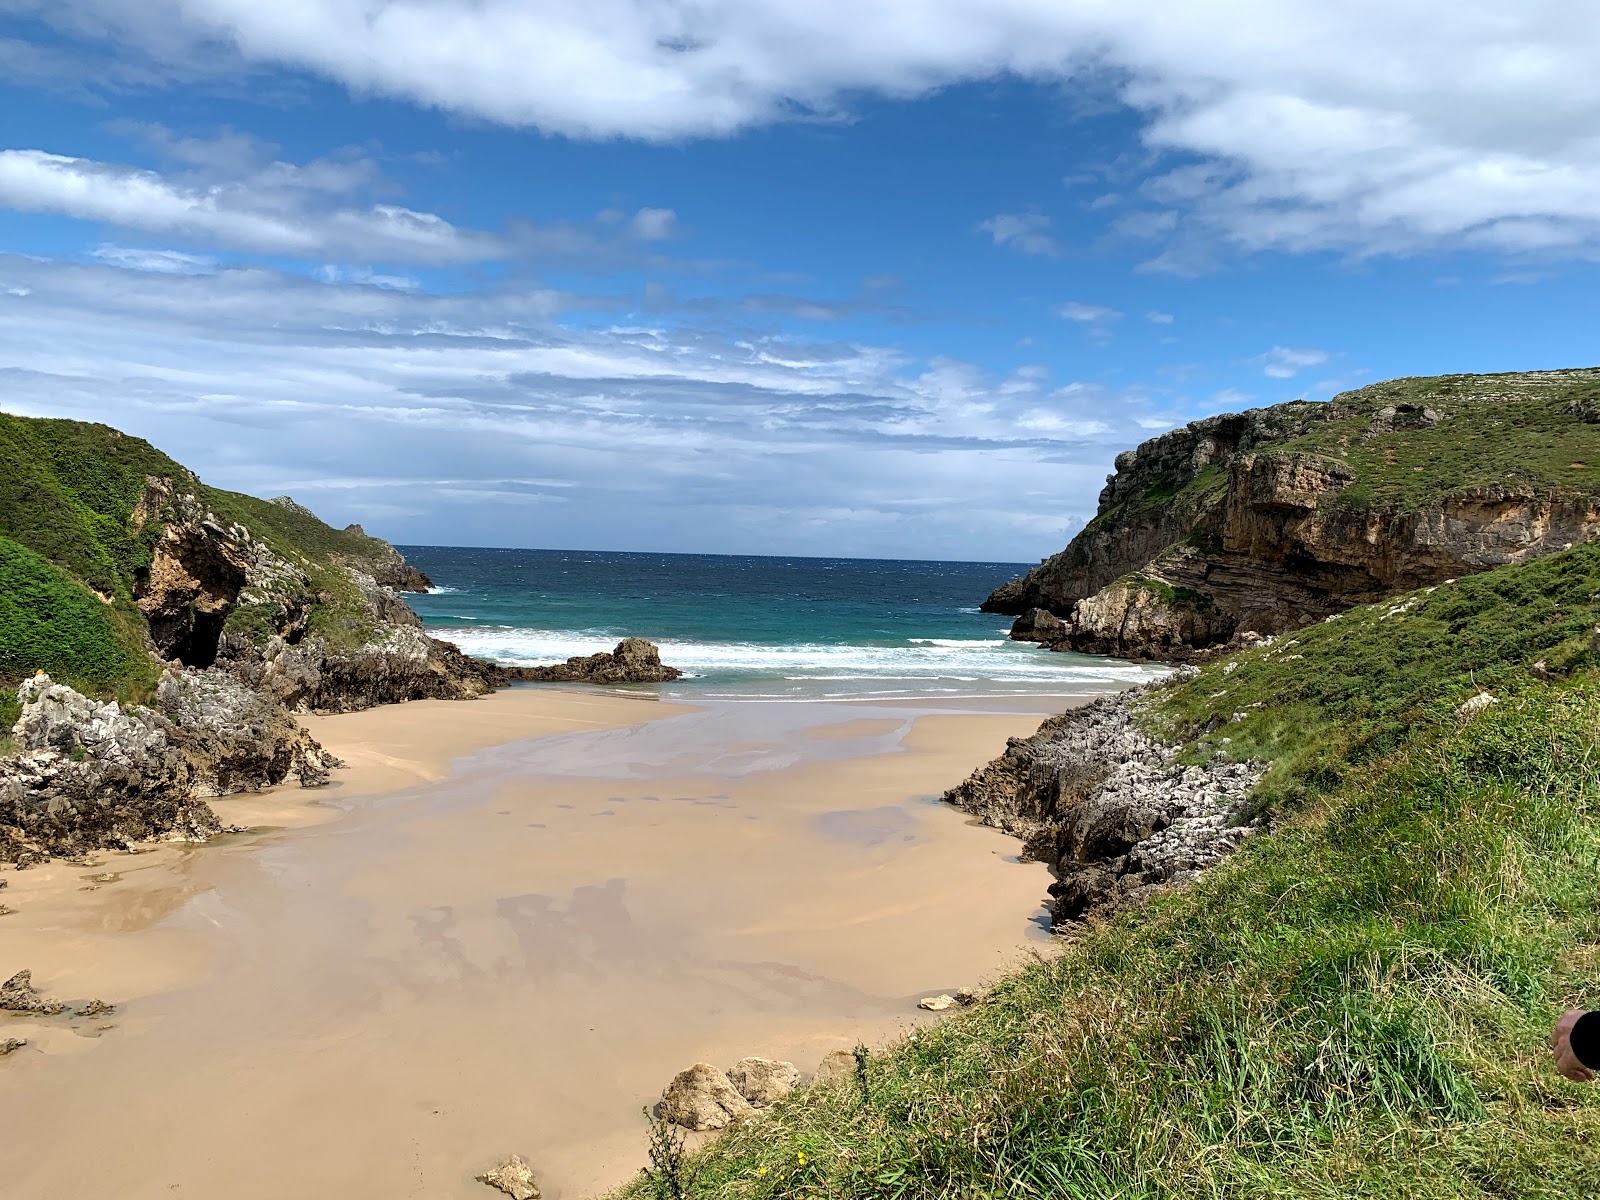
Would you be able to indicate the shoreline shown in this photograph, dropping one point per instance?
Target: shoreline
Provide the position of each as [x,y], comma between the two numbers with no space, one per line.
[766,855]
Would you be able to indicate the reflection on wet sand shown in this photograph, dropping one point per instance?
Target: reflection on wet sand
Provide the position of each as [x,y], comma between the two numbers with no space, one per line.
[382,996]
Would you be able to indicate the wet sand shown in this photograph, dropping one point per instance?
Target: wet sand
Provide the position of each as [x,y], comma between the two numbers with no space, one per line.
[504,929]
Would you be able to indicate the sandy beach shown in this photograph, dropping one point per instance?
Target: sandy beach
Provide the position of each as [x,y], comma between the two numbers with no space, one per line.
[504,928]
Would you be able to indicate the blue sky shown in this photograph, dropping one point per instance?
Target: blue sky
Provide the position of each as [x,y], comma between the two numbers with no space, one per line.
[778,276]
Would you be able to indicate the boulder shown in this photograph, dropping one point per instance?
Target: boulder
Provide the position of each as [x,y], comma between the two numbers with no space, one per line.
[1473,705]
[633,661]
[836,1064]
[17,994]
[702,1097]
[938,1003]
[513,1177]
[12,1044]
[763,1081]
[1039,625]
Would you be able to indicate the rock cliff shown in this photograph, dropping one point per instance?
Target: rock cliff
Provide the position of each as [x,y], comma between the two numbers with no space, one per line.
[1271,519]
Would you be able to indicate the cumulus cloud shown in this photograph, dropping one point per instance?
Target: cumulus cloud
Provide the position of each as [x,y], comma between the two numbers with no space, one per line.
[619,430]
[1285,362]
[1366,127]
[1028,232]
[1073,310]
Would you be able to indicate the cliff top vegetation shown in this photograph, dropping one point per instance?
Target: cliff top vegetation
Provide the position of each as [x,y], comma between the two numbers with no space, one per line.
[73,551]
[1356,1004]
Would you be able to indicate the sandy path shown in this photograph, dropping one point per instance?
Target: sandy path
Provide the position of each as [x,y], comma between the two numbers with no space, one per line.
[395,981]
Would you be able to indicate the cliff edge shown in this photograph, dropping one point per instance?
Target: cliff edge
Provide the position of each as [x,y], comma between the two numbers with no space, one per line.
[1269,520]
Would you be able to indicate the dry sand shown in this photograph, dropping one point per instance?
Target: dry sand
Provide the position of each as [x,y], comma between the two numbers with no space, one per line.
[507,926]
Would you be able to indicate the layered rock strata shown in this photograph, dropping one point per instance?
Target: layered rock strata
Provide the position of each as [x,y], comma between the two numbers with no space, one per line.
[1271,519]
[1109,809]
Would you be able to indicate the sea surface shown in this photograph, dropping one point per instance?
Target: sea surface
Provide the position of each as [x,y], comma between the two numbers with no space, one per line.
[756,628]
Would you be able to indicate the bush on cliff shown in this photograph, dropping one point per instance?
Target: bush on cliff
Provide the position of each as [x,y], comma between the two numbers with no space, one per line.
[1355,1005]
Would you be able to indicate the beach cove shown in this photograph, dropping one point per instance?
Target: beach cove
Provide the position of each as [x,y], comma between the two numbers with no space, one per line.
[504,928]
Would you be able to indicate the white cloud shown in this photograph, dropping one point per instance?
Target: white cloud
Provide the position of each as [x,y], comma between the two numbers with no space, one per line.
[1374,126]
[654,224]
[373,404]
[1072,310]
[1156,317]
[1028,232]
[271,208]
[1284,362]
[171,262]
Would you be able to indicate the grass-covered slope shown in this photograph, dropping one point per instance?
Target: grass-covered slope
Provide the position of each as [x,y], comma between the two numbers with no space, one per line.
[73,554]
[1356,1004]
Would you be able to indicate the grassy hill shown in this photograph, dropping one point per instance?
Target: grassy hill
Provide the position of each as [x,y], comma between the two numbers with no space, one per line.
[1356,1004]
[73,552]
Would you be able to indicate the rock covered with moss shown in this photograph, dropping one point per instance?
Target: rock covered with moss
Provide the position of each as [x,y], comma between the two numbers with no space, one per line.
[1271,519]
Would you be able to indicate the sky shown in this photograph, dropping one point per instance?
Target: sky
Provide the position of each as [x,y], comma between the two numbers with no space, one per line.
[882,278]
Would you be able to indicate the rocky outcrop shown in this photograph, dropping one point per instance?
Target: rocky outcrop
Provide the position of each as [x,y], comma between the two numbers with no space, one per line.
[18,994]
[1108,808]
[92,775]
[702,1097]
[1271,519]
[633,661]
[513,1177]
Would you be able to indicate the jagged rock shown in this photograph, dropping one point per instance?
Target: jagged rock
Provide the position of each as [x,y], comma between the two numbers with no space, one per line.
[1109,809]
[97,1008]
[1232,523]
[18,994]
[702,1097]
[1475,704]
[966,997]
[513,1177]
[937,1003]
[1039,625]
[763,1081]
[12,1044]
[836,1064]
[236,740]
[633,661]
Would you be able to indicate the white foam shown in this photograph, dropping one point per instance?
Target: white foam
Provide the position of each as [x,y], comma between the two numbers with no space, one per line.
[437,590]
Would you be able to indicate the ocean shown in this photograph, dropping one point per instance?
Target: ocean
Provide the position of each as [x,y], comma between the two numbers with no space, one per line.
[756,628]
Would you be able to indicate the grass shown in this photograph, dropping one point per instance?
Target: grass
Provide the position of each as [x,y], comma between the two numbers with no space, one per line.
[1355,1005]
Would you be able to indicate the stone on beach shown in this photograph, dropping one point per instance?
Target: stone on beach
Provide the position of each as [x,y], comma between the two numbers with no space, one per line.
[836,1064]
[938,1003]
[701,1098]
[764,1081]
[633,661]
[18,995]
[513,1177]
[12,1044]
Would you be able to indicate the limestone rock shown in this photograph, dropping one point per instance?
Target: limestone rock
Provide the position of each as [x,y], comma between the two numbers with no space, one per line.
[633,661]
[1227,524]
[12,1044]
[513,1177]
[18,994]
[1109,809]
[763,1081]
[1475,704]
[702,1097]
[937,1003]
[836,1064]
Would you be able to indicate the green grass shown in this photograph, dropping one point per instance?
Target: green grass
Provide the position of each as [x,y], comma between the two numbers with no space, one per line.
[1355,1005]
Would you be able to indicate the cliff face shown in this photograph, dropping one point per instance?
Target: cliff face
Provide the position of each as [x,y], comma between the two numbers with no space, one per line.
[1271,519]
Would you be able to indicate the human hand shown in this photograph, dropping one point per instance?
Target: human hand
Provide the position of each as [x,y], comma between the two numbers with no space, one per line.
[1567,1064]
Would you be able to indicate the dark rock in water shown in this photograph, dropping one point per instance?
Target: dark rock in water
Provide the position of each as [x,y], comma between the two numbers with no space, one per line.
[1109,809]
[17,994]
[633,661]
[1039,625]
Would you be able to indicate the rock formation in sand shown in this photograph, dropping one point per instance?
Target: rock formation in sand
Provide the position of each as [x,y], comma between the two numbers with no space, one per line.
[763,1081]
[1271,519]
[513,1177]
[702,1097]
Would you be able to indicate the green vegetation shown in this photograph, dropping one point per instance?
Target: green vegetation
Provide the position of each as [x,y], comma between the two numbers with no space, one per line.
[1355,1005]
[74,546]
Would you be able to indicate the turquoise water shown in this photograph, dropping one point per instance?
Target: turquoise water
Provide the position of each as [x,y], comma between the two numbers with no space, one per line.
[744,627]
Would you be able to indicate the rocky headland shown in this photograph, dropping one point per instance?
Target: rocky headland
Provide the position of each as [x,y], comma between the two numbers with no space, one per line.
[163,632]
[1268,520]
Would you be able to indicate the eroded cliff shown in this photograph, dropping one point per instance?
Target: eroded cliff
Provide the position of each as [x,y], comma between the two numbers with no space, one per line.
[1271,519]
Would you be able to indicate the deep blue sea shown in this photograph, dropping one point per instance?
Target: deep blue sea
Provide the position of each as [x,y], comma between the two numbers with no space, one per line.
[754,627]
